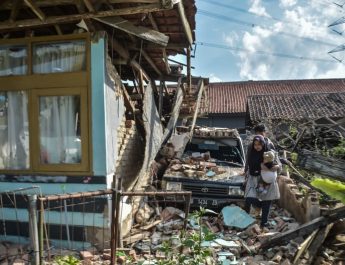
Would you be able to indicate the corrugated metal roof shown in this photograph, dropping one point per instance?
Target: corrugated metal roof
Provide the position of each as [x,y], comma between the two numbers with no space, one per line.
[231,97]
[296,106]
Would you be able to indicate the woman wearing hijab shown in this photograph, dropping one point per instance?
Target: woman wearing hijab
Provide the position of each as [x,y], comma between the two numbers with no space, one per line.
[253,170]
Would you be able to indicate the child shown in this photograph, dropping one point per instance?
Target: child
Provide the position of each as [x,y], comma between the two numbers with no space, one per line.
[269,173]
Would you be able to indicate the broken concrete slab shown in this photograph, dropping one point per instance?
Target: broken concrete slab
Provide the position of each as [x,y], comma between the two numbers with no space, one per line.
[236,217]
[225,243]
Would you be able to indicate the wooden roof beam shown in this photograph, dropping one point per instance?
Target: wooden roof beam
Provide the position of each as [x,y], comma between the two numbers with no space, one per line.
[8,4]
[38,12]
[139,31]
[27,23]
[166,62]
[58,29]
[15,9]
[151,62]
[185,23]
[164,52]
[89,6]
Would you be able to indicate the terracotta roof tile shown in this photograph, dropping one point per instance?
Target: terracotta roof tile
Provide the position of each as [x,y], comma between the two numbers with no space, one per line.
[296,106]
[230,97]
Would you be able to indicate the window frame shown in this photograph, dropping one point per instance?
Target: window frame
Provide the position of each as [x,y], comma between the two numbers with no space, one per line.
[76,91]
[49,84]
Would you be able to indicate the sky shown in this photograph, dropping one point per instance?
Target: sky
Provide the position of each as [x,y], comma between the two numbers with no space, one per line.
[239,40]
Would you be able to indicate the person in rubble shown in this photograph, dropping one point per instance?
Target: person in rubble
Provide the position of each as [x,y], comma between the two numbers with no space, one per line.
[269,172]
[260,129]
[252,172]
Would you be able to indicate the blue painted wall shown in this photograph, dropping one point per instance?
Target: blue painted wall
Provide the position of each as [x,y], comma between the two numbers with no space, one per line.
[98,50]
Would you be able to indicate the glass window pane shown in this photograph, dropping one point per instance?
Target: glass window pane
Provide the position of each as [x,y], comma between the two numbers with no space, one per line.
[59,57]
[14,130]
[13,60]
[59,125]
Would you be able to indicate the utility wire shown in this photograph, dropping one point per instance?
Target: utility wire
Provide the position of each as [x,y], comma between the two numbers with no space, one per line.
[283,55]
[241,10]
[252,25]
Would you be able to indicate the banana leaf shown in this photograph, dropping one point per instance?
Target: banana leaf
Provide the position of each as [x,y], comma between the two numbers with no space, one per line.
[333,188]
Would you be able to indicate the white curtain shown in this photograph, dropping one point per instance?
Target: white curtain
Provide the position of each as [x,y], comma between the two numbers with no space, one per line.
[14,151]
[13,61]
[59,57]
[60,141]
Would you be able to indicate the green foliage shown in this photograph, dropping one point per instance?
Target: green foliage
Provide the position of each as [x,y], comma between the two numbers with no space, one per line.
[334,189]
[293,131]
[339,150]
[193,241]
[66,260]
[294,157]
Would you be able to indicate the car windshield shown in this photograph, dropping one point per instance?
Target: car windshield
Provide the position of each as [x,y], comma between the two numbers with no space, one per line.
[227,154]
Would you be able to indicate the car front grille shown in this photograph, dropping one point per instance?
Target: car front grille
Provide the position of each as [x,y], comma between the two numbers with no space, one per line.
[205,190]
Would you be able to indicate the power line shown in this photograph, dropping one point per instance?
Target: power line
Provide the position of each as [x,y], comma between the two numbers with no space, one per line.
[240,10]
[283,55]
[252,25]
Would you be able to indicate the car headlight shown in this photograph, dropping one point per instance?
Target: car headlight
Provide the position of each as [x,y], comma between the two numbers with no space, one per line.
[174,186]
[235,191]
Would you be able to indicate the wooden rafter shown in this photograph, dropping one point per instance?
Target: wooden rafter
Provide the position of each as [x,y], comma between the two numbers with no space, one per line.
[139,31]
[124,53]
[164,53]
[185,23]
[38,12]
[58,30]
[166,62]
[8,4]
[151,62]
[89,6]
[27,23]
[15,9]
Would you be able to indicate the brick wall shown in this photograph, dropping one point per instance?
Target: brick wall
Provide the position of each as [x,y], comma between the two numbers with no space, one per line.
[130,152]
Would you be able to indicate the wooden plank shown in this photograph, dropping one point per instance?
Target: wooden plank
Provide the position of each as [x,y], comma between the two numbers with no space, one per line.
[5,5]
[178,99]
[160,101]
[141,82]
[166,62]
[335,123]
[89,6]
[138,67]
[139,31]
[305,229]
[14,12]
[333,168]
[127,100]
[302,248]
[27,23]
[38,12]
[185,23]
[317,243]
[298,139]
[58,30]
[198,102]
[189,72]
[151,62]
[117,47]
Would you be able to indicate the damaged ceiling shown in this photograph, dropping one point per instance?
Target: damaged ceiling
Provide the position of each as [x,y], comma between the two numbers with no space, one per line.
[142,33]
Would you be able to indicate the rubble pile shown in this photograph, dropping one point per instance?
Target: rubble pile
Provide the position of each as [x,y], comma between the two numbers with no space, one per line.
[200,166]
[237,237]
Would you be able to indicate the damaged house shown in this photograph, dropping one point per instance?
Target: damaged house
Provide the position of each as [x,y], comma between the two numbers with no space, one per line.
[226,101]
[82,91]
